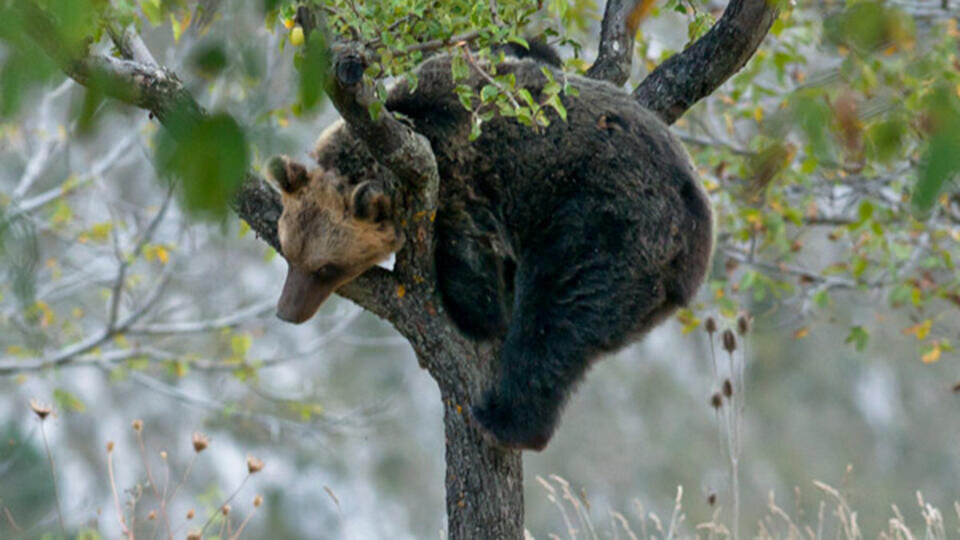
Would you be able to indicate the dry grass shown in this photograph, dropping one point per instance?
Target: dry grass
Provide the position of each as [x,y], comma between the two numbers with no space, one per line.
[150,499]
[836,519]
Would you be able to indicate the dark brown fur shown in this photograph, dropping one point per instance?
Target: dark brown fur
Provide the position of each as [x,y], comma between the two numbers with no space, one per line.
[568,241]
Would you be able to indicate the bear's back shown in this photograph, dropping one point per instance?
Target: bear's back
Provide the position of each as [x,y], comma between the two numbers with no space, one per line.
[608,146]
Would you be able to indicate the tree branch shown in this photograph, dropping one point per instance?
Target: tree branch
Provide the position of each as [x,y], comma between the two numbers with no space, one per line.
[618,31]
[401,150]
[685,78]
[154,88]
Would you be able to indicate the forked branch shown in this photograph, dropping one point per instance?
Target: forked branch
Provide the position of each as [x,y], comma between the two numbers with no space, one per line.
[617,34]
[686,78]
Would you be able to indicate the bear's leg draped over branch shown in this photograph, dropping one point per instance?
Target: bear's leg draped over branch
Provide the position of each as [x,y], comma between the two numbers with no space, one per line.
[580,292]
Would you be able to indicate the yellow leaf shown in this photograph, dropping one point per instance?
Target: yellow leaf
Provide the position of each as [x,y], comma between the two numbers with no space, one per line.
[933,355]
[921,330]
[152,252]
[801,333]
[296,36]
[179,26]
[688,319]
[45,315]
[952,28]
[401,291]
[758,114]
[99,232]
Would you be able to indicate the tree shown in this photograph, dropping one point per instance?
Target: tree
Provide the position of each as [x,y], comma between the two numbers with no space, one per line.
[483,482]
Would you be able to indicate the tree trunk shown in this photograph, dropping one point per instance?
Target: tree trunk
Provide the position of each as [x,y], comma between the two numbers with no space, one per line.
[484,482]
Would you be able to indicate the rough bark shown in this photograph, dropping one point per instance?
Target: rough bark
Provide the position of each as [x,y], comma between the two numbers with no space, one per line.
[484,483]
[621,18]
[685,78]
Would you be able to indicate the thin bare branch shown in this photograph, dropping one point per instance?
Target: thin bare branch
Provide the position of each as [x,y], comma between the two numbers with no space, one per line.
[131,45]
[192,327]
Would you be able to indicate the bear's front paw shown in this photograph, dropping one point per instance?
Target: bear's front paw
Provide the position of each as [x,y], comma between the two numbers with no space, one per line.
[512,425]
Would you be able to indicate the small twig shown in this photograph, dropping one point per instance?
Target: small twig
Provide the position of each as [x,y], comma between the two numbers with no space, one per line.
[9,516]
[486,76]
[153,483]
[53,473]
[226,502]
[495,13]
[434,44]
[186,474]
[116,498]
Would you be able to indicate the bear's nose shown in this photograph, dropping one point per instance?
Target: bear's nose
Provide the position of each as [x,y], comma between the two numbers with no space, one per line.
[303,292]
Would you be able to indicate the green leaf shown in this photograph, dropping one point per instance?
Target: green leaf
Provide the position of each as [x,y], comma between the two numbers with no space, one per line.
[859,337]
[885,139]
[209,156]
[209,60]
[66,401]
[941,164]
[488,92]
[519,41]
[314,68]
[822,298]
[152,11]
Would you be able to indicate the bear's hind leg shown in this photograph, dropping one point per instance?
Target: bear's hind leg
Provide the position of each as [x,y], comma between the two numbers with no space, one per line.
[471,280]
[573,302]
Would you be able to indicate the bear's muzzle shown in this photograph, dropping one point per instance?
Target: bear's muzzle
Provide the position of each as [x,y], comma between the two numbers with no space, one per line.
[303,292]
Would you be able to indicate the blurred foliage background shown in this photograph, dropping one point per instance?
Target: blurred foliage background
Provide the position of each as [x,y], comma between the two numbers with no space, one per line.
[831,159]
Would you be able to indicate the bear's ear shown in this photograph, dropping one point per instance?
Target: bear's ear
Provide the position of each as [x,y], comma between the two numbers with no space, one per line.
[370,203]
[288,175]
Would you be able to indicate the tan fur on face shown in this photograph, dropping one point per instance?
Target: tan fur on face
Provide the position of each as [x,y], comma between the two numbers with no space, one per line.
[318,228]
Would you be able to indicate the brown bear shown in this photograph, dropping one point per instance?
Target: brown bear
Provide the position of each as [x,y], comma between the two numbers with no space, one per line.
[567,241]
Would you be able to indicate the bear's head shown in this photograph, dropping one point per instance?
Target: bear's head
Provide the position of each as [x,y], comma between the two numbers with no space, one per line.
[333,228]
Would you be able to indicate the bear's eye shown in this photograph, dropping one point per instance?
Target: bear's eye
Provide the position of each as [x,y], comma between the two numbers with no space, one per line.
[329,271]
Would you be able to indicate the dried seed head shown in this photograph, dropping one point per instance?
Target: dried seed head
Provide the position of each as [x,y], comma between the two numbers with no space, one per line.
[254,465]
[712,498]
[109,446]
[194,535]
[710,325]
[743,324]
[225,509]
[727,388]
[200,442]
[716,400]
[257,501]
[42,410]
[729,341]
[137,425]
[152,515]
[190,513]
